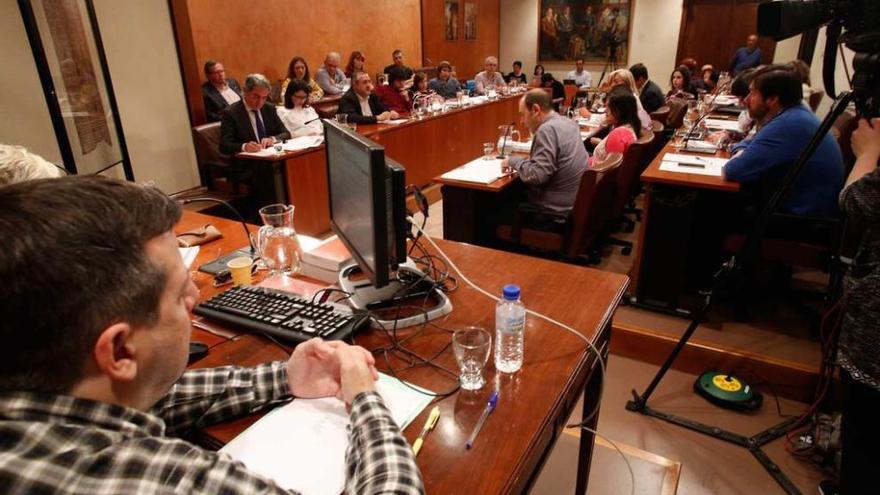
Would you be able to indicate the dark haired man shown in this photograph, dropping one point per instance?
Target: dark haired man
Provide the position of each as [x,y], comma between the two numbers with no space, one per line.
[362,105]
[93,392]
[218,92]
[517,74]
[394,96]
[774,99]
[444,84]
[650,94]
[397,57]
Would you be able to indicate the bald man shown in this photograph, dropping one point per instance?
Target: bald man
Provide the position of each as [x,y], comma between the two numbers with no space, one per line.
[330,77]
[747,56]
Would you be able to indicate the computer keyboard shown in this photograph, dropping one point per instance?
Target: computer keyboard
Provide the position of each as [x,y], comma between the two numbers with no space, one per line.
[281,315]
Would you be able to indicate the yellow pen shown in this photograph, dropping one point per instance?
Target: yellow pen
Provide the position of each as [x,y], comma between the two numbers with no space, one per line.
[429,425]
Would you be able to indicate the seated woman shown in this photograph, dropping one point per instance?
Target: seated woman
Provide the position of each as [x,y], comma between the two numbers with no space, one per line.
[355,63]
[297,115]
[710,80]
[624,78]
[621,114]
[419,86]
[537,75]
[298,69]
[680,86]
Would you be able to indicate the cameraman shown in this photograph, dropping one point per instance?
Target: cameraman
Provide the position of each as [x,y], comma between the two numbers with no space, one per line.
[859,353]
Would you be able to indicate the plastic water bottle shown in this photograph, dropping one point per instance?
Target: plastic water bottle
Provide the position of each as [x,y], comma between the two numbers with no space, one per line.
[510,326]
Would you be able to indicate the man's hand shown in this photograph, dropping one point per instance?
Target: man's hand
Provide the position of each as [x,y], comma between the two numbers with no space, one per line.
[356,375]
[267,141]
[382,117]
[505,166]
[252,146]
[866,139]
[583,112]
[393,115]
[315,367]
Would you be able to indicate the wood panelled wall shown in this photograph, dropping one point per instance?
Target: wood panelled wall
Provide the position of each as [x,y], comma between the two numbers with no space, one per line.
[466,55]
[262,36]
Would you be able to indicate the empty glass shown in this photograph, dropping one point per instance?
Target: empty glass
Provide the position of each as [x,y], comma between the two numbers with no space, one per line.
[277,241]
[488,151]
[471,346]
[342,118]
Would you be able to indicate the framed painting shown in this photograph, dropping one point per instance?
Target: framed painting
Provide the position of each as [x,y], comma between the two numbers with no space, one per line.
[470,21]
[595,30]
[450,20]
[70,60]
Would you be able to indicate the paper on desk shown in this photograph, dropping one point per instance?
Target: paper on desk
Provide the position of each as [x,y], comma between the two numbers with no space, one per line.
[726,100]
[189,255]
[303,142]
[270,151]
[302,445]
[698,145]
[395,121]
[726,125]
[479,170]
[705,165]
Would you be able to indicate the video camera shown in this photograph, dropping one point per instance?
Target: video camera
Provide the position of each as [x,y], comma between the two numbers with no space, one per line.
[861,20]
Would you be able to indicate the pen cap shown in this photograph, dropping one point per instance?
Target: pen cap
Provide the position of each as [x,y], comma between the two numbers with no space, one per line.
[511,292]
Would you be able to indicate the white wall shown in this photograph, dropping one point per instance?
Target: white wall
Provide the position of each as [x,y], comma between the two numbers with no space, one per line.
[841,83]
[24,116]
[139,43]
[655,28]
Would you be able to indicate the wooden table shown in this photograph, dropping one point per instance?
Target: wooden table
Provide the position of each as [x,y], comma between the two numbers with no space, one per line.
[534,403]
[665,244]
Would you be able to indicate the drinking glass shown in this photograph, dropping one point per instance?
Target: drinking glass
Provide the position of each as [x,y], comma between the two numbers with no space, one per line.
[471,346]
[342,118]
[488,151]
[277,241]
[279,147]
[678,138]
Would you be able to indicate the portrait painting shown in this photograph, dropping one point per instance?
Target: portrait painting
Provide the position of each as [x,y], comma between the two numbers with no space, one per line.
[450,20]
[595,30]
[470,21]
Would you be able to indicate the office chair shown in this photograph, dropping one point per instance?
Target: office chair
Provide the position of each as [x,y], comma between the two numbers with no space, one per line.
[661,114]
[677,109]
[626,176]
[658,129]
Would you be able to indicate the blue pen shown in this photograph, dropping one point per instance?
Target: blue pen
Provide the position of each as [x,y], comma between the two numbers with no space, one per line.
[493,401]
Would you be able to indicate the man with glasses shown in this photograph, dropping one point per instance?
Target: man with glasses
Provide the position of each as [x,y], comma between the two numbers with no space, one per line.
[361,105]
[329,77]
[218,92]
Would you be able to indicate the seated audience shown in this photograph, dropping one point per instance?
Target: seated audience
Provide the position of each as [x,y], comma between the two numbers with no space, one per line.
[580,76]
[218,92]
[94,393]
[252,123]
[394,96]
[650,93]
[355,63]
[444,84]
[489,78]
[17,164]
[804,71]
[397,56]
[419,86]
[556,88]
[739,87]
[787,126]
[747,56]
[298,116]
[537,74]
[553,170]
[329,77]
[517,75]
[710,80]
[299,69]
[679,85]
[361,105]
[623,77]
[622,115]
[696,75]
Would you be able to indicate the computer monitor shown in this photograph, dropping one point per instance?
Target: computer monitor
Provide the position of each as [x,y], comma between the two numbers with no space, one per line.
[367,201]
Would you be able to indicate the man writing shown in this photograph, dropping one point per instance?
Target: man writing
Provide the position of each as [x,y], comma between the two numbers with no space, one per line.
[218,92]
[251,124]
[557,159]
[92,385]
[361,105]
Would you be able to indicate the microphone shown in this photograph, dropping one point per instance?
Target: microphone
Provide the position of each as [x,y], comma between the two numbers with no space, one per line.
[231,208]
[310,121]
[690,131]
[504,140]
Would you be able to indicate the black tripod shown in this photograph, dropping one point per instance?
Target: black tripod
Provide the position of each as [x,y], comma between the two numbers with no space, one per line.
[611,61]
[732,271]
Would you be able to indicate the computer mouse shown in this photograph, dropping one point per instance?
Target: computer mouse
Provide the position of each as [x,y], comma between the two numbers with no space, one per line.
[197,350]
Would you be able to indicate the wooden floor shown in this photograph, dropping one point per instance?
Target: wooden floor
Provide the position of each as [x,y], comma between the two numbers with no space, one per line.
[705,465]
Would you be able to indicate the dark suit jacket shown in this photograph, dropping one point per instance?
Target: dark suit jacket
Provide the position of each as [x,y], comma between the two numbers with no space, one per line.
[214,101]
[351,106]
[651,96]
[236,129]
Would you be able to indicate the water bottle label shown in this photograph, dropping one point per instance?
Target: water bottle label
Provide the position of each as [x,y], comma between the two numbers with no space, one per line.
[514,325]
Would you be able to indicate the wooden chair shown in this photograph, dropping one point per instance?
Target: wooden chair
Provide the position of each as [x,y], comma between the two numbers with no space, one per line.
[677,109]
[214,170]
[661,114]
[626,180]
[327,106]
[580,227]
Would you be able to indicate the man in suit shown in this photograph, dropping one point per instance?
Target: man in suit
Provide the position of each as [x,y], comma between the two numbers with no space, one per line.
[218,92]
[252,124]
[650,94]
[361,105]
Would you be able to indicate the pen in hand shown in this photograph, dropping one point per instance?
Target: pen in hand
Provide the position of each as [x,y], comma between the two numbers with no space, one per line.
[429,425]
[490,406]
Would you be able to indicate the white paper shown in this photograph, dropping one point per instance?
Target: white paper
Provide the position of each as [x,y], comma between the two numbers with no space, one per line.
[270,151]
[673,162]
[726,125]
[396,121]
[726,100]
[189,255]
[303,142]
[301,445]
[479,170]
[698,145]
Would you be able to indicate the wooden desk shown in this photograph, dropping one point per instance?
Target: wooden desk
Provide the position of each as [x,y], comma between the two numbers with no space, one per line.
[664,246]
[534,403]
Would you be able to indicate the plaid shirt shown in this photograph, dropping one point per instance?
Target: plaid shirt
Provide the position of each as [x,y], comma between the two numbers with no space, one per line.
[60,444]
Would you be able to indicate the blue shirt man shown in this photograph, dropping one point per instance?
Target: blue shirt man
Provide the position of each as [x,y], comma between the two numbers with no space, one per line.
[775,99]
[747,56]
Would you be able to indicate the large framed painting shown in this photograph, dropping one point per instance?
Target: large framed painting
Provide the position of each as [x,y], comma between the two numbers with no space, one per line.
[70,59]
[595,30]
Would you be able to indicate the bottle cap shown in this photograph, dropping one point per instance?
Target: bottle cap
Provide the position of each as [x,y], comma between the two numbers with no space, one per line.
[511,292]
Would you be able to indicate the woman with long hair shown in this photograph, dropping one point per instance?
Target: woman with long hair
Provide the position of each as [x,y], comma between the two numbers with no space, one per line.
[296,114]
[622,116]
[680,84]
[537,74]
[299,69]
[623,78]
[355,63]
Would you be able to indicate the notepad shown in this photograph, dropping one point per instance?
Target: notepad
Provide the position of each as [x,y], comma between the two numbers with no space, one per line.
[726,125]
[301,445]
[689,164]
[303,142]
[265,152]
[480,170]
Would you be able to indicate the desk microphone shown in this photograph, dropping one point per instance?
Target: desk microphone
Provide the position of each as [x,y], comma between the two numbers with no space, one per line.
[231,208]
[310,121]
[501,154]
[690,131]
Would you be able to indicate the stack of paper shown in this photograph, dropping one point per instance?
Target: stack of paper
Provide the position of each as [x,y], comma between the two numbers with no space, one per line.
[303,142]
[396,121]
[265,152]
[480,170]
[324,260]
[726,125]
[690,164]
[302,444]
[726,100]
